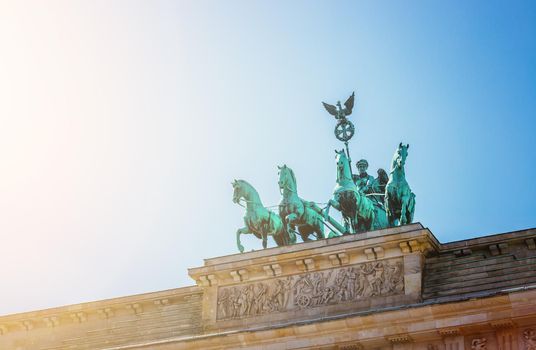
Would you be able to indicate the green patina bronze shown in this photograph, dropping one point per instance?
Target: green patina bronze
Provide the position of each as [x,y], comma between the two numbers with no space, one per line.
[399,200]
[366,203]
[259,221]
[365,183]
[359,212]
[297,213]
[344,130]
[374,188]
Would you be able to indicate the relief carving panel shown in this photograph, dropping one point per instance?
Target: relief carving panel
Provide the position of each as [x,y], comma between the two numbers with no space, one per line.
[479,344]
[313,289]
[529,339]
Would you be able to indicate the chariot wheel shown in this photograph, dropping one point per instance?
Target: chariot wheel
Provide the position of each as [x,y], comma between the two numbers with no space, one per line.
[303,300]
[344,130]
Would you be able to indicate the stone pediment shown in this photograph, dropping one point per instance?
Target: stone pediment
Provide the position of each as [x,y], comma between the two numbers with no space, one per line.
[354,273]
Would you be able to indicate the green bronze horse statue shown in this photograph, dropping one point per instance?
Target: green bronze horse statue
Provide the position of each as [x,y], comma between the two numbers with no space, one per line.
[399,200]
[359,212]
[295,212]
[258,220]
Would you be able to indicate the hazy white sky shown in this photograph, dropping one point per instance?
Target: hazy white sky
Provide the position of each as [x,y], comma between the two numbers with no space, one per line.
[122,124]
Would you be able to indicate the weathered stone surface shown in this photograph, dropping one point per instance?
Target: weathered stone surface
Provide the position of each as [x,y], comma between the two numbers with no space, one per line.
[397,288]
[509,264]
[103,324]
[314,289]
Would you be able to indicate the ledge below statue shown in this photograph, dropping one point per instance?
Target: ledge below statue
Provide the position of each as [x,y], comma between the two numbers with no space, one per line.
[396,288]
[321,278]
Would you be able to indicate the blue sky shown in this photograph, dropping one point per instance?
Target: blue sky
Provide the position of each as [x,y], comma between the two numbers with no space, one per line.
[124,122]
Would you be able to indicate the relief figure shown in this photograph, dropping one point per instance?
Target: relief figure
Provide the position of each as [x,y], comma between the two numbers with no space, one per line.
[311,289]
[529,338]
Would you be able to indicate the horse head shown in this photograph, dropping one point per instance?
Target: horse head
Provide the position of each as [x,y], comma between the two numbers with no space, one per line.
[287,179]
[401,155]
[243,189]
[238,191]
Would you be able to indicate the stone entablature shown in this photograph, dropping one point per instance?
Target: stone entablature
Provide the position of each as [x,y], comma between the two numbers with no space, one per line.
[101,324]
[463,325]
[480,266]
[386,266]
[397,288]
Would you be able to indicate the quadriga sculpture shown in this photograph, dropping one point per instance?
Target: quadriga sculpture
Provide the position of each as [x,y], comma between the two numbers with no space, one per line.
[399,200]
[357,210]
[295,212]
[258,220]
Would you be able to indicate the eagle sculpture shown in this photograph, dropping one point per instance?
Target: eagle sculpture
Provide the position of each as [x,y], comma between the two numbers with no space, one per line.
[337,111]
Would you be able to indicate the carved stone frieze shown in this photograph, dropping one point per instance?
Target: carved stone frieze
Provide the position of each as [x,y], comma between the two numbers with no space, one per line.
[311,289]
[449,332]
[479,344]
[399,338]
[529,339]
[353,346]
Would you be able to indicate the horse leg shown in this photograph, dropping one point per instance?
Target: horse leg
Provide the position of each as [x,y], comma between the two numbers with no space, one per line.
[372,218]
[366,208]
[347,221]
[241,231]
[389,209]
[363,225]
[411,208]
[292,237]
[355,223]
[320,230]
[319,227]
[386,206]
[282,237]
[403,210]
[264,240]
[313,219]
[348,225]
[292,220]
[285,231]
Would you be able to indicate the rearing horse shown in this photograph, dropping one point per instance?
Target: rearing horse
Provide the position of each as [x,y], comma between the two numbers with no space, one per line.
[259,221]
[296,212]
[399,200]
[357,210]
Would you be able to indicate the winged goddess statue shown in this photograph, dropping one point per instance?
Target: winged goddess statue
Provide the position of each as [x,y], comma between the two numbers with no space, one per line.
[344,129]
